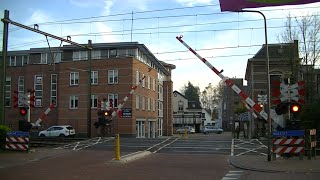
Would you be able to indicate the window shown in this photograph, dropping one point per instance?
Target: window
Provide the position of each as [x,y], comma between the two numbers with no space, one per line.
[137,77]
[148,82]
[54,88]
[13,61]
[79,55]
[96,54]
[160,109]
[74,78]
[44,57]
[113,53]
[114,97]
[20,88]
[113,76]
[153,105]
[94,77]
[148,104]
[154,84]
[140,128]
[94,101]
[25,60]
[38,84]
[137,101]
[8,92]
[56,57]
[143,103]
[73,103]
[143,81]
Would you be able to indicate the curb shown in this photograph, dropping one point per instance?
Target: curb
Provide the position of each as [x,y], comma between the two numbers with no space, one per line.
[131,157]
[233,163]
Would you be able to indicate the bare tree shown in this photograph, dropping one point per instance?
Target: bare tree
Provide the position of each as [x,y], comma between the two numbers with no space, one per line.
[211,95]
[307,31]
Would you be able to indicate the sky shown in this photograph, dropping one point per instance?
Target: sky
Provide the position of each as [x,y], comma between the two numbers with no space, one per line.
[227,40]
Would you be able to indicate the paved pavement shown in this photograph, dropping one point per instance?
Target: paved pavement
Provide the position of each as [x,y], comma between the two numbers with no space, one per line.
[291,165]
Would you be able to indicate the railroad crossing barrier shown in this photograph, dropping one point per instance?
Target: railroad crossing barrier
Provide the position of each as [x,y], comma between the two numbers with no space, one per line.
[18,140]
[288,143]
[311,143]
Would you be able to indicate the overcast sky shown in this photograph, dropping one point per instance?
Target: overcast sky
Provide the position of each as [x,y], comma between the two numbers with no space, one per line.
[226,39]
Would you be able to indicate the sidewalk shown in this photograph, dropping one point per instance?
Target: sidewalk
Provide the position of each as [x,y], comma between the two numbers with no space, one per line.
[291,165]
[13,158]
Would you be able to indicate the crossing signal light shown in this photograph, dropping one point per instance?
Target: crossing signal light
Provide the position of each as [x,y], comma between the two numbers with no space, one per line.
[23,111]
[295,108]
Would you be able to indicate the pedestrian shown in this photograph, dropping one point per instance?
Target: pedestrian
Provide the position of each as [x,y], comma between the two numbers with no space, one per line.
[237,131]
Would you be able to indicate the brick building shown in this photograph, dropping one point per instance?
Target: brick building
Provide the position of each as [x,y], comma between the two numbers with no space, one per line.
[115,69]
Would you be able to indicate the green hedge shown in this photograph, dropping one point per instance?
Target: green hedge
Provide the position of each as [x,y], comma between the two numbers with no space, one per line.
[3,132]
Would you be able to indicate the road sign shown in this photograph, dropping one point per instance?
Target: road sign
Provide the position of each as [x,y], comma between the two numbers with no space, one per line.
[18,133]
[288,133]
[262,99]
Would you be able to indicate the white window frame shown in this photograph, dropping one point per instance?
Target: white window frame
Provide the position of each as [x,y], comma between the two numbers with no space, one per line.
[115,98]
[74,78]
[94,77]
[73,102]
[154,84]
[148,82]
[44,58]
[54,97]
[153,105]
[143,81]
[94,101]
[13,60]
[137,77]
[143,105]
[79,55]
[137,101]
[8,92]
[113,76]
[148,103]
[38,90]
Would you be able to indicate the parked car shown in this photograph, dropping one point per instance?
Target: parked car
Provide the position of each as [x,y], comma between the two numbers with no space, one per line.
[62,131]
[190,130]
[212,129]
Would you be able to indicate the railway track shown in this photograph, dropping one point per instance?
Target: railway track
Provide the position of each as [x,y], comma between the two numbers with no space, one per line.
[52,141]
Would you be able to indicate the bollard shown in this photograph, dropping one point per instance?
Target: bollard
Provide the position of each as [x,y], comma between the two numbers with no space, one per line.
[117,147]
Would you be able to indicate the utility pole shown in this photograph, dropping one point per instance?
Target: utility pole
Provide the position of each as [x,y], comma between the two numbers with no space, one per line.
[3,67]
[89,91]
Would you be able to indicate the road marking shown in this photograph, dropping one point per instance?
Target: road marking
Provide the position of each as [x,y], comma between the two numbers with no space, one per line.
[232,175]
[240,146]
[165,145]
[232,147]
[158,144]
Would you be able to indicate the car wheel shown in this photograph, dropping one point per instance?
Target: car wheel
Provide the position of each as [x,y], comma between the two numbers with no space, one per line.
[62,135]
[42,135]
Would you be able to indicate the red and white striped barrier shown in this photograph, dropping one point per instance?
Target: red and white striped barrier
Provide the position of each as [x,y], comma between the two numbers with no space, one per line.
[17,139]
[292,141]
[230,83]
[20,147]
[43,115]
[288,150]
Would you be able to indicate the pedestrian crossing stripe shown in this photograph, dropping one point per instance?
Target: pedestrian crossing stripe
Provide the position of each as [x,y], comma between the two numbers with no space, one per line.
[232,175]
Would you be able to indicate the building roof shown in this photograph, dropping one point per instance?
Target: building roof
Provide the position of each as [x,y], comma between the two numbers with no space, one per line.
[179,94]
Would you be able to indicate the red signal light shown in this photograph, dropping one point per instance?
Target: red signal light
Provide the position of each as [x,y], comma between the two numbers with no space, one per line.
[23,111]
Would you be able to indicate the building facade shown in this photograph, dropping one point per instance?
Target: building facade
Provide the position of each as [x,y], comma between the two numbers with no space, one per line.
[189,113]
[62,75]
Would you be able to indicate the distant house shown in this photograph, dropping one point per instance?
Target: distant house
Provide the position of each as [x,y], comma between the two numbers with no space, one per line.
[189,113]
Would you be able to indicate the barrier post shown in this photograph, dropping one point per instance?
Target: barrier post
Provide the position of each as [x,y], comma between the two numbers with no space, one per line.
[117,147]
[312,143]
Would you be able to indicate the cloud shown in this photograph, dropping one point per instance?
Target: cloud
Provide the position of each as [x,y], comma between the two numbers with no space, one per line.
[86,3]
[38,16]
[107,7]
[191,3]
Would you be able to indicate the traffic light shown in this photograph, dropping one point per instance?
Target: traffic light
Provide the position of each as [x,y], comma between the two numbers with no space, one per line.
[295,108]
[23,111]
[104,118]
[282,108]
